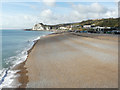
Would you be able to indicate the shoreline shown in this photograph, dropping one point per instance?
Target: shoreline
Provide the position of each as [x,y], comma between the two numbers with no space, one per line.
[24,77]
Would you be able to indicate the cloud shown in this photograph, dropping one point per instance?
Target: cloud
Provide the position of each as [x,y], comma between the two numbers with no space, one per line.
[49,2]
[46,13]
[61,0]
[119,9]
[78,13]
[93,11]
[18,21]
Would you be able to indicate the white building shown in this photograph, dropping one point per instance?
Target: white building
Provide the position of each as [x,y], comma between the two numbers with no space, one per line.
[98,28]
[63,28]
[87,26]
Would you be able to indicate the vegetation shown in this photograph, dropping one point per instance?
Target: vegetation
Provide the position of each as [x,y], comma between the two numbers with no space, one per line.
[110,22]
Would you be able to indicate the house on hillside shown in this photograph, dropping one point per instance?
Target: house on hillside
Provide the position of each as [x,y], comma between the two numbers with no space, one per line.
[98,28]
[87,26]
[63,28]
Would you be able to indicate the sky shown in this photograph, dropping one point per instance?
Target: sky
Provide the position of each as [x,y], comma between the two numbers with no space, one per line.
[21,15]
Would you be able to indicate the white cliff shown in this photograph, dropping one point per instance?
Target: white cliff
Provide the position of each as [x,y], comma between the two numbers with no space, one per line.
[39,26]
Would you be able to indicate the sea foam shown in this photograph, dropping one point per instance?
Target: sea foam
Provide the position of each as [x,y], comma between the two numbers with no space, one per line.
[7,75]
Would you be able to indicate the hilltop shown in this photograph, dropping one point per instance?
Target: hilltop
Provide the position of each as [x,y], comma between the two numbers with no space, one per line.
[109,22]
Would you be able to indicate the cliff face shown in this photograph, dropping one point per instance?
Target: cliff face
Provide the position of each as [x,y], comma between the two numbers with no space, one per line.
[39,26]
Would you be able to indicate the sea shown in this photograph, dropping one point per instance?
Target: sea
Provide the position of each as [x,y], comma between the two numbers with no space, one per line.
[14,45]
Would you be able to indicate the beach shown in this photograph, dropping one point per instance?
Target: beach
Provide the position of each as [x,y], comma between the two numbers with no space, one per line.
[68,60]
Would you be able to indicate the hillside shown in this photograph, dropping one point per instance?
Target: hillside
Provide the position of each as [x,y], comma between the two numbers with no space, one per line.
[110,22]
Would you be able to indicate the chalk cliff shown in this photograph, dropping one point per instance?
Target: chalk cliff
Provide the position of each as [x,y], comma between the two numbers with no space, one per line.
[39,26]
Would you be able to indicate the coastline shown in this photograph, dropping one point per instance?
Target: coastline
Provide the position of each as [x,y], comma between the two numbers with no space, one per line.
[15,53]
[24,77]
[22,70]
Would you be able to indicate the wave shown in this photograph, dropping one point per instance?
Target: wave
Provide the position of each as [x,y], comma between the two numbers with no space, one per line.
[8,75]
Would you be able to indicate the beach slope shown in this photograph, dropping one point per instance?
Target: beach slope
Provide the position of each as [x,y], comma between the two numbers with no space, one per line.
[70,61]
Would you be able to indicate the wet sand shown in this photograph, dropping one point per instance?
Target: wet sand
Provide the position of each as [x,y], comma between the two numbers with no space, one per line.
[71,61]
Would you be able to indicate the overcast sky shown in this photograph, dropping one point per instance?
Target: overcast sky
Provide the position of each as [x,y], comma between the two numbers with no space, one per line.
[26,14]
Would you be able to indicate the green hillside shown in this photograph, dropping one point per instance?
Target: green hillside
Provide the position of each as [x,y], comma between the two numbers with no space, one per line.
[111,22]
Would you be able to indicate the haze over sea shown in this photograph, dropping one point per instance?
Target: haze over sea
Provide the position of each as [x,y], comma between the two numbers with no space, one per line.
[15,44]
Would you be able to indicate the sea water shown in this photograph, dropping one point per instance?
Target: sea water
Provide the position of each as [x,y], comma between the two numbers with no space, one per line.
[15,44]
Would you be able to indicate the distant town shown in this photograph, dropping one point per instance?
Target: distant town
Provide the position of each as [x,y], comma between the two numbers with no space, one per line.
[110,25]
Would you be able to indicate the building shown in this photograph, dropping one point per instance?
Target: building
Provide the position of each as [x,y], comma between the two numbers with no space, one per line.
[63,28]
[87,26]
[98,28]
